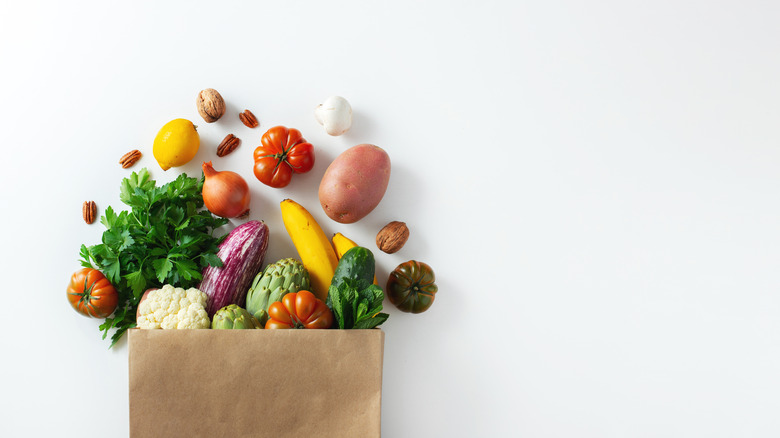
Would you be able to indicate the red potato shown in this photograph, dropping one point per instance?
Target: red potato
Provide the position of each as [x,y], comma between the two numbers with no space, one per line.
[354,183]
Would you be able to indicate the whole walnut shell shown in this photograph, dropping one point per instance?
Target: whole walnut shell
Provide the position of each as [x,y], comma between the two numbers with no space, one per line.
[392,237]
[211,106]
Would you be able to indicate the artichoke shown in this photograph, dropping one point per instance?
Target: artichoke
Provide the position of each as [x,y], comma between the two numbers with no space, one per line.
[234,317]
[277,280]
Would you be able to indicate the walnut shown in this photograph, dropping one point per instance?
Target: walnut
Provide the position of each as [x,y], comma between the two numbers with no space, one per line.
[392,237]
[211,106]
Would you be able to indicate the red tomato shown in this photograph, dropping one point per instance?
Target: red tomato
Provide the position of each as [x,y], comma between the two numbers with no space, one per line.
[299,310]
[91,294]
[283,151]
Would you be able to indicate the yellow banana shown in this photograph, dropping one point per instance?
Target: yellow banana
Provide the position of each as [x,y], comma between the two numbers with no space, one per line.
[341,244]
[313,247]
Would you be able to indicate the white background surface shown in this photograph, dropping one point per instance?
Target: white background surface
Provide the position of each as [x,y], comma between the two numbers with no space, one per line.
[595,184]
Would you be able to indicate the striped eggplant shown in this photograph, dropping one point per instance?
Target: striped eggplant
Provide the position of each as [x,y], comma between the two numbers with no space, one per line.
[242,253]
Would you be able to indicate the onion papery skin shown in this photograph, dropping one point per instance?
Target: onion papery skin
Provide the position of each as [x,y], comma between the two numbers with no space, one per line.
[225,193]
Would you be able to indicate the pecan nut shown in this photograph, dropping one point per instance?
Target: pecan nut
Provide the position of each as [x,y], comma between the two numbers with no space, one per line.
[249,119]
[392,237]
[89,211]
[130,158]
[228,145]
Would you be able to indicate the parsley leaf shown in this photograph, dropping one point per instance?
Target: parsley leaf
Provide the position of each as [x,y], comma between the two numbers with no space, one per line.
[137,282]
[162,267]
[166,237]
[212,260]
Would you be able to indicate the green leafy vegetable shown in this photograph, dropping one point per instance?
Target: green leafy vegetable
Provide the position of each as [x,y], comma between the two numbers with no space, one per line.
[355,301]
[166,238]
[356,304]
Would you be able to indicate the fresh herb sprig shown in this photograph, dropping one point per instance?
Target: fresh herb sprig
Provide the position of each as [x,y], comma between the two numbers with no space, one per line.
[166,238]
[356,304]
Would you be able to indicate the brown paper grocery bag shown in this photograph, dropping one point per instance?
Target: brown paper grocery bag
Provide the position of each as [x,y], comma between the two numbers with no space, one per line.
[255,383]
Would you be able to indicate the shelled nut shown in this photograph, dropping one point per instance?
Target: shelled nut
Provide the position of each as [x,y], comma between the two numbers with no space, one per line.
[249,119]
[130,158]
[228,145]
[89,211]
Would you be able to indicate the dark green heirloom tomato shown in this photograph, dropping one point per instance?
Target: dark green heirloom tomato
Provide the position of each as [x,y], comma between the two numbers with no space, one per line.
[411,287]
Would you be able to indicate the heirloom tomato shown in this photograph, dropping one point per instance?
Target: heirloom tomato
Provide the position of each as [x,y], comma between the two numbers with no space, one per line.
[282,152]
[411,287]
[299,310]
[91,294]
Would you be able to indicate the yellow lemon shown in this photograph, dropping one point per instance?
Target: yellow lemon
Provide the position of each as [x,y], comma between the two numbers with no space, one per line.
[176,143]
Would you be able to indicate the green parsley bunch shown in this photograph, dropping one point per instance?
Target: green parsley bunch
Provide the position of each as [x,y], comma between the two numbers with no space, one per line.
[166,238]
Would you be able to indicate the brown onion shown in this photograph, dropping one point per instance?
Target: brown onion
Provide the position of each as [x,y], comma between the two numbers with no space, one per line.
[225,193]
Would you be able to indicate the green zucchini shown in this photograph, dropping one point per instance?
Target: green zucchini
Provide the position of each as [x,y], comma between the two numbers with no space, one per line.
[356,265]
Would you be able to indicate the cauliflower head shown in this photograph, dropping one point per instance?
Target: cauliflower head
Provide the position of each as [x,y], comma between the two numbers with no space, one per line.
[173,308]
